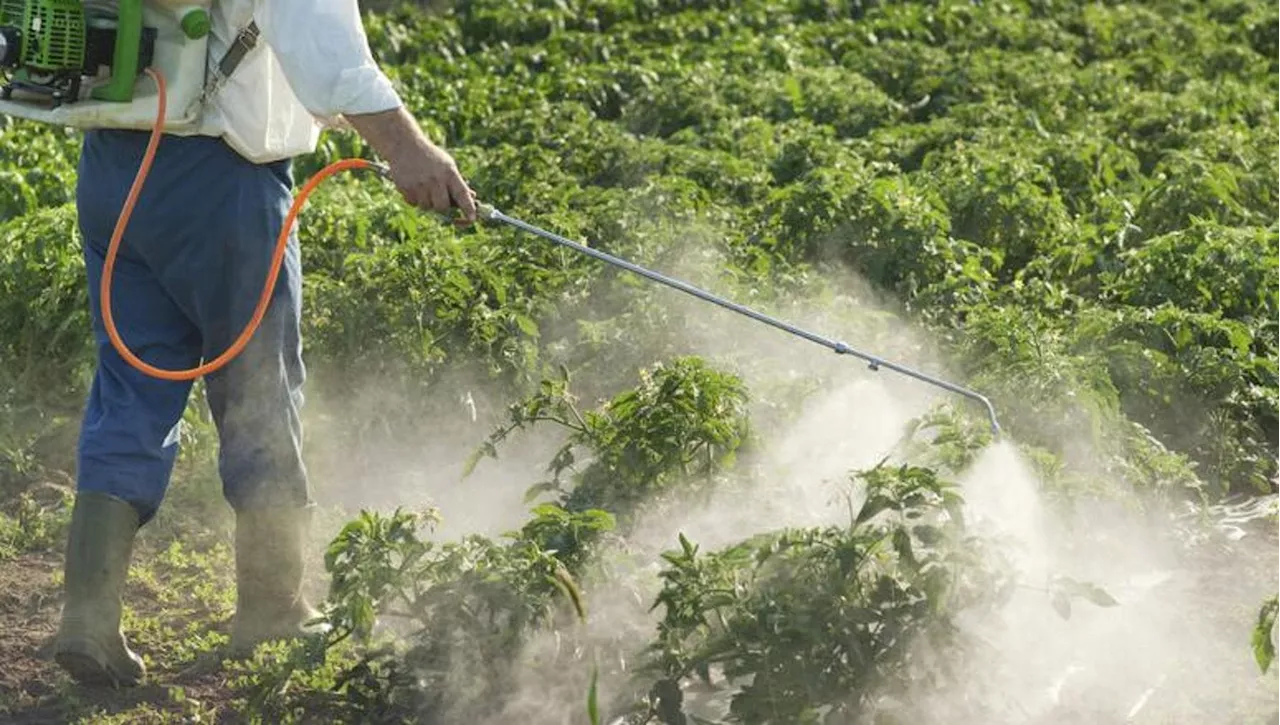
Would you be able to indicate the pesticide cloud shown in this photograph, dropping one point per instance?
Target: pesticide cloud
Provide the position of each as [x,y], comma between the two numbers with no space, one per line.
[850,418]
[1174,644]
[1171,650]
[367,460]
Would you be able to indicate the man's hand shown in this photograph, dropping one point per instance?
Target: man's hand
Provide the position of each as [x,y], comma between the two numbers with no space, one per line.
[425,174]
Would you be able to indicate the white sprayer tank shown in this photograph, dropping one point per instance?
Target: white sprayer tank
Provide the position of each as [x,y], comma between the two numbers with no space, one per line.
[180,53]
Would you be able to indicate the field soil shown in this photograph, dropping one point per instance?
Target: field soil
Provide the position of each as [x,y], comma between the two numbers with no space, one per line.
[33,689]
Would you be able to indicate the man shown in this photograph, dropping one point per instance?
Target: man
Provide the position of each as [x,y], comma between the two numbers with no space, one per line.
[188,275]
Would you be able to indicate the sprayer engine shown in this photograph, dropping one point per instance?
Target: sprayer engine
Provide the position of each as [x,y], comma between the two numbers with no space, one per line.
[49,48]
[44,44]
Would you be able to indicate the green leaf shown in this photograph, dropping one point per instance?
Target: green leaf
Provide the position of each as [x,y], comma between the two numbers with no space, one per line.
[690,549]
[873,506]
[1264,649]
[593,707]
[1098,596]
[486,449]
[526,325]
[1061,603]
[538,489]
[1085,590]
[565,583]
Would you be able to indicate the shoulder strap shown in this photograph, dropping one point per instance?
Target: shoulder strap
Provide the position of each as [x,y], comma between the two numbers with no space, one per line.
[244,42]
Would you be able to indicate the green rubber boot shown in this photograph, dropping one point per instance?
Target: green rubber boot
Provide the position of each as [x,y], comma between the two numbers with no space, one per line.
[269,569]
[90,645]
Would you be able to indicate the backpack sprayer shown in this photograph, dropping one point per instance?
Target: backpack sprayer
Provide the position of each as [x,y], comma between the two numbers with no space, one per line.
[53,51]
[78,62]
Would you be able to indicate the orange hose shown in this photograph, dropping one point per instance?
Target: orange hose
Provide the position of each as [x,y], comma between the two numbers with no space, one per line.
[263,301]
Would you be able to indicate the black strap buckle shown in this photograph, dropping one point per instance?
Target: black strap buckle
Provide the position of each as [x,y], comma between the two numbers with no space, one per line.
[240,47]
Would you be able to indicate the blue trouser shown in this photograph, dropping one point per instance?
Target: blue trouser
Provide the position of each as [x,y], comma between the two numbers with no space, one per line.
[187,277]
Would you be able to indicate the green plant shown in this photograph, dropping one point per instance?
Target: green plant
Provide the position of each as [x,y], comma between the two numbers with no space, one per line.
[682,426]
[807,625]
[33,525]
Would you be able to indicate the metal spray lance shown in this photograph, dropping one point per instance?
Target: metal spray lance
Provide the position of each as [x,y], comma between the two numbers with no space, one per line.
[489,213]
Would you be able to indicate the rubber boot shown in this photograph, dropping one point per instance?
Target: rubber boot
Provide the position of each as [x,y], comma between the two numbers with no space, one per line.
[90,644]
[269,569]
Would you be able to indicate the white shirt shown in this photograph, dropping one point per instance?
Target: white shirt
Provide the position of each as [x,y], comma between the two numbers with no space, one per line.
[311,66]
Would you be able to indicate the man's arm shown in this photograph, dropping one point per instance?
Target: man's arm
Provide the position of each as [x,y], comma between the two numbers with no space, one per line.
[324,53]
[425,174]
